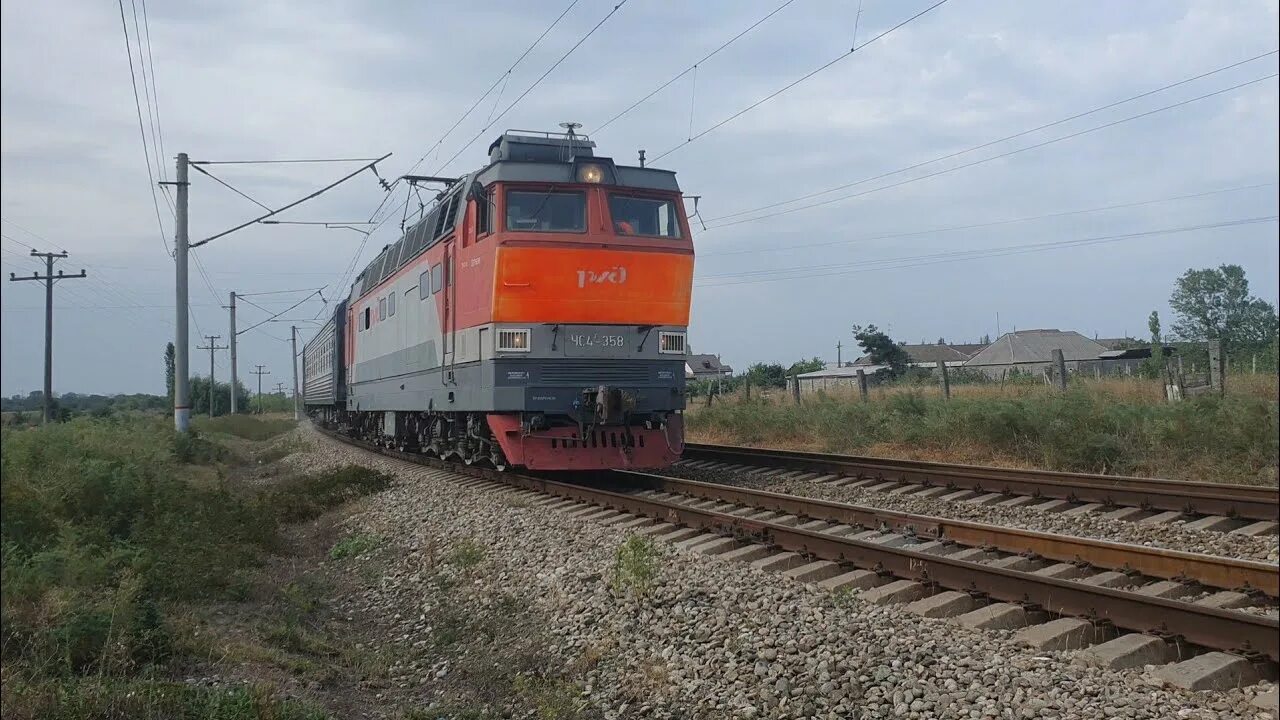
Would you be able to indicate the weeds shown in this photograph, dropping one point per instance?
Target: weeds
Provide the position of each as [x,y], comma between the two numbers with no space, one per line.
[635,566]
[307,497]
[1107,429]
[354,545]
[246,427]
[466,554]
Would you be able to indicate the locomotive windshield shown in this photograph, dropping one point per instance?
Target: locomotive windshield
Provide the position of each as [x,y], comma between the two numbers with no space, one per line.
[643,216]
[546,211]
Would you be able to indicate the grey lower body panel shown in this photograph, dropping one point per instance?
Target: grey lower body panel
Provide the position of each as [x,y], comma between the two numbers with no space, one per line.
[547,385]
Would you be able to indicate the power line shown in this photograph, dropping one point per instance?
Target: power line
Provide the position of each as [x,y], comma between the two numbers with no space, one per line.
[997,141]
[282,292]
[280,162]
[273,317]
[817,271]
[686,71]
[137,103]
[1016,151]
[535,84]
[785,88]
[992,223]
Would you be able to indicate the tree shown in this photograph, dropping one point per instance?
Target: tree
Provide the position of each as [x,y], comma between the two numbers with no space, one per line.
[881,349]
[170,369]
[767,375]
[805,366]
[1153,324]
[1214,304]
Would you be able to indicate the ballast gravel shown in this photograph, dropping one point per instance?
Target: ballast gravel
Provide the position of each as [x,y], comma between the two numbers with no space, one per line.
[716,639]
[1170,535]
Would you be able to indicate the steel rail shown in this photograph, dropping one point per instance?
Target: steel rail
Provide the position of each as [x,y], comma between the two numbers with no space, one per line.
[1244,501]
[1211,570]
[1255,636]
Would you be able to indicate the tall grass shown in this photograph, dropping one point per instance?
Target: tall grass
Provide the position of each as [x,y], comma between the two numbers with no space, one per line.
[1109,429]
[105,523]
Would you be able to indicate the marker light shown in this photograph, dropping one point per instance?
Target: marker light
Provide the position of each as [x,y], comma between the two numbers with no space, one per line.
[590,174]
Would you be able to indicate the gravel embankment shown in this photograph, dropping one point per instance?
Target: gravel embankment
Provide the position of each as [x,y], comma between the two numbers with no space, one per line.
[1172,535]
[715,639]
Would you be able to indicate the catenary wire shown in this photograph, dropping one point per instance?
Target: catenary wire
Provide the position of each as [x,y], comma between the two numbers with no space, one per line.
[229,186]
[1009,153]
[997,141]
[794,83]
[992,223]
[137,103]
[817,271]
[686,71]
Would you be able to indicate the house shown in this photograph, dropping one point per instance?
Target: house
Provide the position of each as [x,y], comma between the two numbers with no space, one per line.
[928,355]
[703,367]
[834,377]
[1031,351]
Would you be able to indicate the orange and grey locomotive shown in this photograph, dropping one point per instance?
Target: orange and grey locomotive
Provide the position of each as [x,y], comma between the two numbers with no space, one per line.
[534,316]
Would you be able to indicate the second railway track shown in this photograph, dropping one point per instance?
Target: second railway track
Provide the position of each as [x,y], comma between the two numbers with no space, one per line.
[1242,509]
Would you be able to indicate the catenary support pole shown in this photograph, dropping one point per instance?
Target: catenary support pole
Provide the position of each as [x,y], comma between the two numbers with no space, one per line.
[293,342]
[49,279]
[232,344]
[181,347]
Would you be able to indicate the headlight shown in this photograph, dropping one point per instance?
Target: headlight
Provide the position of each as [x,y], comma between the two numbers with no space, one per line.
[671,343]
[590,174]
[513,340]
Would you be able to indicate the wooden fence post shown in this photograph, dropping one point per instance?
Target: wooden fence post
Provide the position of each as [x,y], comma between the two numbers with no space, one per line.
[944,380]
[746,386]
[795,388]
[862,385]
[1216,379]
[1060,365]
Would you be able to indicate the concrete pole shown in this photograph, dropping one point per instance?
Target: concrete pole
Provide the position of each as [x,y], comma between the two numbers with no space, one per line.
[293,342]
[1060,366]
[944,380]
[48,340]
[181,348]
[1216,379]
[862,385]
[232,344]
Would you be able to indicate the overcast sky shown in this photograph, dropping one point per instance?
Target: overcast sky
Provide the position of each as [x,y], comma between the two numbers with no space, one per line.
[251,80]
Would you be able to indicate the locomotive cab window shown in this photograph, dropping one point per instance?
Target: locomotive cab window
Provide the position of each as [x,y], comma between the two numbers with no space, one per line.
[424,285]
[644,216]
[382,308]
[391,304]
[367,313]
[533,211]
[484,213]
[437,277]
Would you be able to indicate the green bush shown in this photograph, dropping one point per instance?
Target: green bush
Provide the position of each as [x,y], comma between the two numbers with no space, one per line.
[307,497]
[247,427]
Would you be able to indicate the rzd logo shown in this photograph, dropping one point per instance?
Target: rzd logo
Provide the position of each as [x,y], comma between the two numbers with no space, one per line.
[617,275]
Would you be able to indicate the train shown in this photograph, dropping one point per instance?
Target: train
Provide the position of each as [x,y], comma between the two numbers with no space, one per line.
[535,315]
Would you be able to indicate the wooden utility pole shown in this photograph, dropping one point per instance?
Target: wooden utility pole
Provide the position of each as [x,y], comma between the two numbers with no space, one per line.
[49,279]
[1060,368]
[211,347]
[260,372]
[944,380]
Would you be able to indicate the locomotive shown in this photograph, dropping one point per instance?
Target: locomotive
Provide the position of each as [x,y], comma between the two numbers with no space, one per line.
[534,316]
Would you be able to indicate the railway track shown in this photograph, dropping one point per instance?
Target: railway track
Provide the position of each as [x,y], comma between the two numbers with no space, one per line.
[1242,509]
[1123,605]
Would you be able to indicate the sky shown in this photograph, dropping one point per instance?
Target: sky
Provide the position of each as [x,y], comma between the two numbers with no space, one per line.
[1082,225]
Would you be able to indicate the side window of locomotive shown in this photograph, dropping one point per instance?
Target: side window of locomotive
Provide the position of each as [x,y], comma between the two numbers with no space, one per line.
[391,304]
[437,278]
[424,285]
[382,308]
[546,211]
[368,312]
[644,216]
[484,214]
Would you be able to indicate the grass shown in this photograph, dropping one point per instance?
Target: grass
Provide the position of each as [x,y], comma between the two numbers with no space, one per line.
[354,545]
[245,427]
[1117,426]
[635,566]
[466,554]
[107,525]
